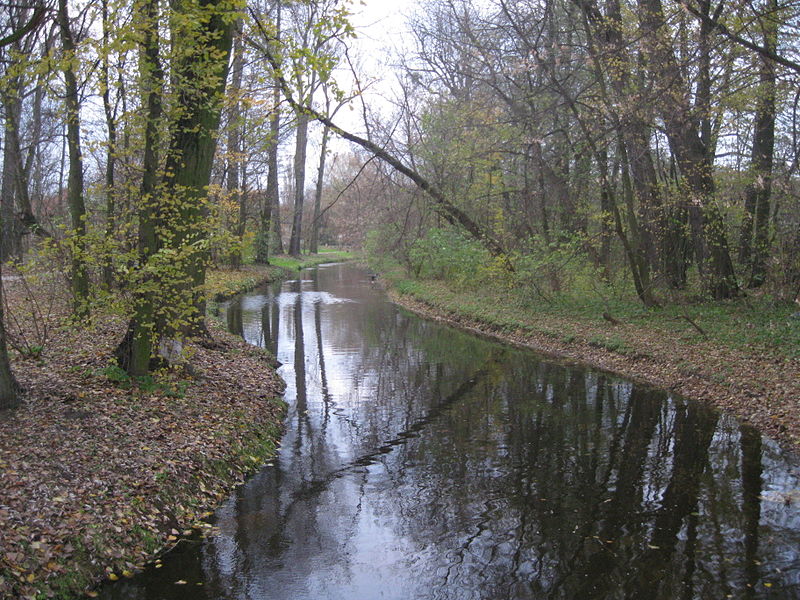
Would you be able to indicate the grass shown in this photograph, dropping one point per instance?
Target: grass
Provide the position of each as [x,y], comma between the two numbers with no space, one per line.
[754,324]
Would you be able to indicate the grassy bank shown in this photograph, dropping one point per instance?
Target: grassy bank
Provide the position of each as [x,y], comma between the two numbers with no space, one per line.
[99,474]
[223,283]
[743,356]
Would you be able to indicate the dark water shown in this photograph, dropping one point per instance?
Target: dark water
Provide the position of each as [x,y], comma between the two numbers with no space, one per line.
[421,462]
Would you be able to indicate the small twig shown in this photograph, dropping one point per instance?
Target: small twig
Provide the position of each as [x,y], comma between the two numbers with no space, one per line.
[695,325]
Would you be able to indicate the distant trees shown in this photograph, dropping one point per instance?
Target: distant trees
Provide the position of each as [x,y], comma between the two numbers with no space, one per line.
[565,122]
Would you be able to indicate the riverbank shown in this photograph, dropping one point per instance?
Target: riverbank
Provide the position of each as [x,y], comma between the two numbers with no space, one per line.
[223,283]
[757,382]
[100,474]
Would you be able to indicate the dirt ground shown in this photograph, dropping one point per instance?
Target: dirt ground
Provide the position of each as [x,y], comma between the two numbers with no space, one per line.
[99,473]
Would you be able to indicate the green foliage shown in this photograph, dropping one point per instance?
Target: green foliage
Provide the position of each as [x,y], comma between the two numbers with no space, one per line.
[558,268]
[146,384]
[451,256]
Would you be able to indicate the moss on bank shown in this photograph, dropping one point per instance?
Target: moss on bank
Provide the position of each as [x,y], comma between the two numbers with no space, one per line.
[710,355]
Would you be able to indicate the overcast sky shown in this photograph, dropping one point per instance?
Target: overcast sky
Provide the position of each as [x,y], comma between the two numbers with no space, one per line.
[382,33]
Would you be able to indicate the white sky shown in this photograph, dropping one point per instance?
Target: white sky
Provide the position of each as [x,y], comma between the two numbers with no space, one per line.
[382,34]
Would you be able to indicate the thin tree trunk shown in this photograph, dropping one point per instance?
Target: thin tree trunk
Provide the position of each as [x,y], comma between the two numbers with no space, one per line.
[755,229]
[77,209]
[111,148]
[315,226]
[235,143]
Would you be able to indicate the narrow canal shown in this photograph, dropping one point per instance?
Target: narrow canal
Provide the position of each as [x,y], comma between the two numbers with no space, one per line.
[423,462]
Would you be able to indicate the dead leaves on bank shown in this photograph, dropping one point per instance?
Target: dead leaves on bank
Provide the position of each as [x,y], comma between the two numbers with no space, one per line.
[94,478]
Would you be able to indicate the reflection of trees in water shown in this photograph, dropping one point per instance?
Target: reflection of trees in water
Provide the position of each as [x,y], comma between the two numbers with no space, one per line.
[506,477]
[540,489]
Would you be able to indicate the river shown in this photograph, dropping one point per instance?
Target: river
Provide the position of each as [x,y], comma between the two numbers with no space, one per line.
[419,461]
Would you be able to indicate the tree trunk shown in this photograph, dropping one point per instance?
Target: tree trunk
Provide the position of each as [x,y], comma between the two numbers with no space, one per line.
[692,155]
[272,214]
[235,143]
[754,243]
[9,389]
[11,242]
[135,351]
[203,69]
[313,247]
[77,210]
[301,147]
[111,148]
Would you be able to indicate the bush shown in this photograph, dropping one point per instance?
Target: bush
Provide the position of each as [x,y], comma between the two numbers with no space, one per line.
[450,256]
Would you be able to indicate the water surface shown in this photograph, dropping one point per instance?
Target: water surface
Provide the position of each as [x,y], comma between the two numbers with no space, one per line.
[422,462]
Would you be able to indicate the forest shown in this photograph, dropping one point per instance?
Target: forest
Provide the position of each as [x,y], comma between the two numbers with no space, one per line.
[617,177]
[559,147]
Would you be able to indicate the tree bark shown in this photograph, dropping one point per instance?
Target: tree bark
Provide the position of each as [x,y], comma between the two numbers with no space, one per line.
[111,147]
[301,146]
[9,388]
[135,352]
[77,210]
[754,242]
[271,218]
[683,131]
[313,246]
[235,144]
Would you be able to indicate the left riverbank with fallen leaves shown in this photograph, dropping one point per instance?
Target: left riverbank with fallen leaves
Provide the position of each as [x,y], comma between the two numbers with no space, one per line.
[99,474]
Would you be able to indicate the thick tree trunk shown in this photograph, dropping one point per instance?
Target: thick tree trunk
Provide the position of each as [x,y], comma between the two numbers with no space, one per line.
[136,350]
[173,217]
[11,242]
[301,147]
[191,153]
[9,389]
[77,210]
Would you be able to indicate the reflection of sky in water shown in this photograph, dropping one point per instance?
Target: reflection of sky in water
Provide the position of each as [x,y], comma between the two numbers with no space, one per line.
[419,462]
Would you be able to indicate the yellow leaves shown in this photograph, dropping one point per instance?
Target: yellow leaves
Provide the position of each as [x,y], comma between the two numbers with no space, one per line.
[113,576]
